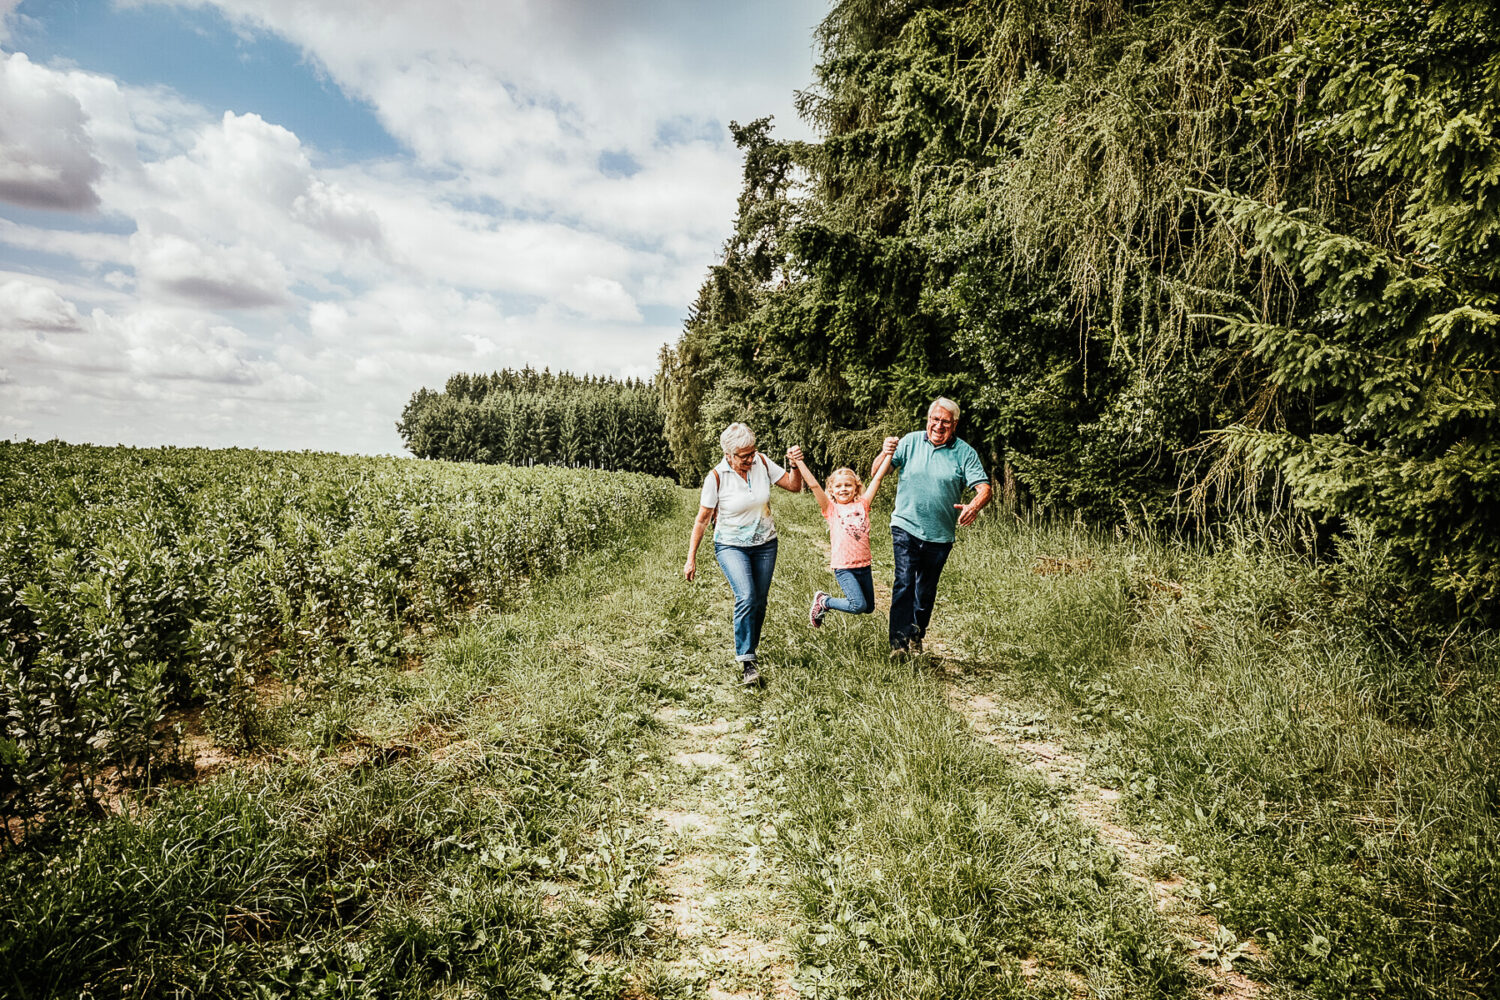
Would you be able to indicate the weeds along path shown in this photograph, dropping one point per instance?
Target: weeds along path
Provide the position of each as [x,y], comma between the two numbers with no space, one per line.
[914,858]
[575,798]
[1034,733]
[1025,733]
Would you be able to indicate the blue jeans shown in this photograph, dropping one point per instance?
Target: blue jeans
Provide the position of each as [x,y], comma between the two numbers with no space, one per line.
[919,563]
[859,591]
[749,572]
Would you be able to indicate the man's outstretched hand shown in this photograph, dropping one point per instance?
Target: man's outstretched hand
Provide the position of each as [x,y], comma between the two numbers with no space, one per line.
[967,512]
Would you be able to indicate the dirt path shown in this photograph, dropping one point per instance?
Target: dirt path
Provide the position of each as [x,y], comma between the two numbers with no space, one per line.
[716,896]
[1033,741]
[719,912]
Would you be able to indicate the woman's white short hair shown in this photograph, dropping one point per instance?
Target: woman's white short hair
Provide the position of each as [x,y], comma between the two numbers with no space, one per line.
[735,437]
[945,403]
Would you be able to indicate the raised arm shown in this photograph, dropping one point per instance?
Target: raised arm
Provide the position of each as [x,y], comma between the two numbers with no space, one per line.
[791,481]
[887,449]
[882,466]
[812,484]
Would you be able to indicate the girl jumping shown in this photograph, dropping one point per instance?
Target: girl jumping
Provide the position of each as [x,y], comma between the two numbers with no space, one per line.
[847,512]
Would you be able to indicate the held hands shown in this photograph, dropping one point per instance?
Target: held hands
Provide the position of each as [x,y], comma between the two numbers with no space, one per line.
[888,447]
[793,455]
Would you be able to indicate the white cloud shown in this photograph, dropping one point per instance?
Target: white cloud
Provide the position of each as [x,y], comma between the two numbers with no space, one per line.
[602,298]
[247,187]
[214,277]
[92,248]
[163,345]
[28,306]
[568,168]
[46,154]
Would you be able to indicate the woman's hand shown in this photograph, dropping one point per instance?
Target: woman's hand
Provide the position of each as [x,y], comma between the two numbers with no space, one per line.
[690,569]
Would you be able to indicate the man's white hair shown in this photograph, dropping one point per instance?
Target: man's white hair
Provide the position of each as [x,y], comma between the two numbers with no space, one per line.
[945,403]
[735,437]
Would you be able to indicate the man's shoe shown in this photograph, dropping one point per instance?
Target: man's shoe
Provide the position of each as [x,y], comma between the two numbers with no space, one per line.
[818,610]
[899,653]
[916,645]
[749,676]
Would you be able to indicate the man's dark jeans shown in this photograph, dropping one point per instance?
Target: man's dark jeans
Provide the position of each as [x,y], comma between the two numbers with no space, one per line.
[919,563]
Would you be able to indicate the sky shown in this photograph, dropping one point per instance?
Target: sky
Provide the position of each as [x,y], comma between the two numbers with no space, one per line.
[266,223]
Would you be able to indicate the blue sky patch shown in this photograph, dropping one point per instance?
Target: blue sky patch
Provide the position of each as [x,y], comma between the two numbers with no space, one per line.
[618,163]
[201,56]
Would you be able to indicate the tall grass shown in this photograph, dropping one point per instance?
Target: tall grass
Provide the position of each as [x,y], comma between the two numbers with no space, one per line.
[923,862]
[469,828]
[1335,771]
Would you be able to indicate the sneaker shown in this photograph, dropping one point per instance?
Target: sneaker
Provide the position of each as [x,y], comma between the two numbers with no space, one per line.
[749,676]
[818,610]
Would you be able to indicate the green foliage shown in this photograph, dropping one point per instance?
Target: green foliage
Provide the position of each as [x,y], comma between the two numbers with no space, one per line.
[133,583]
[537,418]
[989,216]
[1397,343]
[1331,772]
[1046,210]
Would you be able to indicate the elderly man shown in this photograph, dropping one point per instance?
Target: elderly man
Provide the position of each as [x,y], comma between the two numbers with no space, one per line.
[936,468]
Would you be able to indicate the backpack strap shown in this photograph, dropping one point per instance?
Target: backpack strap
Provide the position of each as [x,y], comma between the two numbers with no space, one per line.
[714,517]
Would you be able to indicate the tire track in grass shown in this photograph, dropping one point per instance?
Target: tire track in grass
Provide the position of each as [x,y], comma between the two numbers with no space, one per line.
[718,909]
[1025,737]
[921,863]
[715,897]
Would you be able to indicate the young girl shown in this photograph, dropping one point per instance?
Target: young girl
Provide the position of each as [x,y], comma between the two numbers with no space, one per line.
[847,512]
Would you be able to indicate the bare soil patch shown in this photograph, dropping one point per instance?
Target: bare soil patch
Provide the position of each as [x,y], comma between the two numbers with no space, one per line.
[712,898]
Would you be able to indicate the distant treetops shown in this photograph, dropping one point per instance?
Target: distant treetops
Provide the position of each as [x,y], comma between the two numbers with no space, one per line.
[528,417]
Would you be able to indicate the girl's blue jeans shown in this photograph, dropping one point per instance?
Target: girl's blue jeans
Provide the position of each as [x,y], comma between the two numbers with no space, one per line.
[859,591]
[749,572]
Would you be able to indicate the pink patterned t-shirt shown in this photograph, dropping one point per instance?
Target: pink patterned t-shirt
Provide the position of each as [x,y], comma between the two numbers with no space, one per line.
[849,533]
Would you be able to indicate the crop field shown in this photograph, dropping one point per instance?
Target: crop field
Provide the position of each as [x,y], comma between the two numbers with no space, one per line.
[1127,767]
[138,582]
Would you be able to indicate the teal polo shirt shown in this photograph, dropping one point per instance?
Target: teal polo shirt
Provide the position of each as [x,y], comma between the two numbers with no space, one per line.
[932,480]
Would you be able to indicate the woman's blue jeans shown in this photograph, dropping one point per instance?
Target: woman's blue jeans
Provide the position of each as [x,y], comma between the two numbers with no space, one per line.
[749,571]
[859,591]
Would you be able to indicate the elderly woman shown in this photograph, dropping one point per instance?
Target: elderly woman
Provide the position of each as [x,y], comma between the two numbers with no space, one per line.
[736,499]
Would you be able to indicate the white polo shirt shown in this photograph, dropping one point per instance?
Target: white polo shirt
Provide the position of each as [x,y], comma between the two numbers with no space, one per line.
[744,504]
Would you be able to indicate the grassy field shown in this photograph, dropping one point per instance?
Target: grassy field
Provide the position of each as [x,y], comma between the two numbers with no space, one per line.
[1130,768]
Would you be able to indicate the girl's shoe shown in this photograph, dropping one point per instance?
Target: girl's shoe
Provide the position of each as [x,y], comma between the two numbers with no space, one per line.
[818,610]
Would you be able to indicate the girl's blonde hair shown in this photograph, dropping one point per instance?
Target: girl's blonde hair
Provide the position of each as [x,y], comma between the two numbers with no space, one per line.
[859,483]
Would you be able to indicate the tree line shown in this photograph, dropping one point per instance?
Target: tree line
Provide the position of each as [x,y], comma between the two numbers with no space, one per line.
[1177,260]
[525,417]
